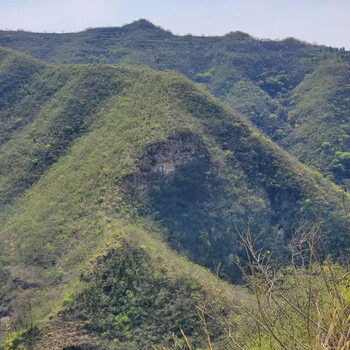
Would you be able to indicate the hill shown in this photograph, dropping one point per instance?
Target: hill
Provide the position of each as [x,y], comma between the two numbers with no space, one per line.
[260,78]
[319,120]
[97,161]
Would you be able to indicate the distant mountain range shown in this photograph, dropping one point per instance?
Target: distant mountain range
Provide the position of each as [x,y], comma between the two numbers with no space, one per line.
[296,93]
[101,165]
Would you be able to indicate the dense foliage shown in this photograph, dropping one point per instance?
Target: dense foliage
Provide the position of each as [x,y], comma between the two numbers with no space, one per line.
[88,150]
[137,299]
[296,93]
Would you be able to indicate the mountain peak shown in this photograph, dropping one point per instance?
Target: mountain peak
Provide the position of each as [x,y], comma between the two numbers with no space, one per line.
[143,24]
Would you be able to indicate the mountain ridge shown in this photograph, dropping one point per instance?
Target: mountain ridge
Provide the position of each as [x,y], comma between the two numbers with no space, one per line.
[97,161]
[260,78]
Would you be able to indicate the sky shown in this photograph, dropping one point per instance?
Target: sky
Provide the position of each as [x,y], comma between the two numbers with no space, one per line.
[324,22]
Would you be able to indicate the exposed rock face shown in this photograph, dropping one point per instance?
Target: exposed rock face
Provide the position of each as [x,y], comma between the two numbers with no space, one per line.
[162,159]
[166,156]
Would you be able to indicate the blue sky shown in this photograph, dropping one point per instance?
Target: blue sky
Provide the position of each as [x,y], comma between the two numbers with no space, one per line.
[321,21]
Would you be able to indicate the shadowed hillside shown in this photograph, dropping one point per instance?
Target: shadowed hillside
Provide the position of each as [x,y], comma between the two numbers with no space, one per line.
[99,160]
[260,78]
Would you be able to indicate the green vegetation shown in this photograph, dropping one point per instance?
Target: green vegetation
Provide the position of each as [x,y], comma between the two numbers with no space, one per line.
[136,297]
[319,120]
[100,164]
[305,88]
[302,306]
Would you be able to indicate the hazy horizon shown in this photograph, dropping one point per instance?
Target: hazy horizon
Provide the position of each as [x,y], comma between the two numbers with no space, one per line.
[324,22]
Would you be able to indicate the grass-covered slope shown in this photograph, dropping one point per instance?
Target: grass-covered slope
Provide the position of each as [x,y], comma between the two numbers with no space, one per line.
[103,147]
[137,294]
[221,63]
[43,109]
[256,77]
[319,120]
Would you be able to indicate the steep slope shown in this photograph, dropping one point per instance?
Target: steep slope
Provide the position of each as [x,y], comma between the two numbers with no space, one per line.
[43,109]
[256,77]
[137,294]
[105,147]
[319,120]
[274,67]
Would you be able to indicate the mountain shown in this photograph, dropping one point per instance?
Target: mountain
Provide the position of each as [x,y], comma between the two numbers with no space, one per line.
[319,120]
[267,81]
[99,165]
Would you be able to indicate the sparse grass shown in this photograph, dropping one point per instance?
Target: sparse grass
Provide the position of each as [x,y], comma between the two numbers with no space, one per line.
[82,190]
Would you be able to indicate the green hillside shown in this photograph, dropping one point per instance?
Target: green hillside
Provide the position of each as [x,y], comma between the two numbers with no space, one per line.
[259,78]
[99,165]
[319,119]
